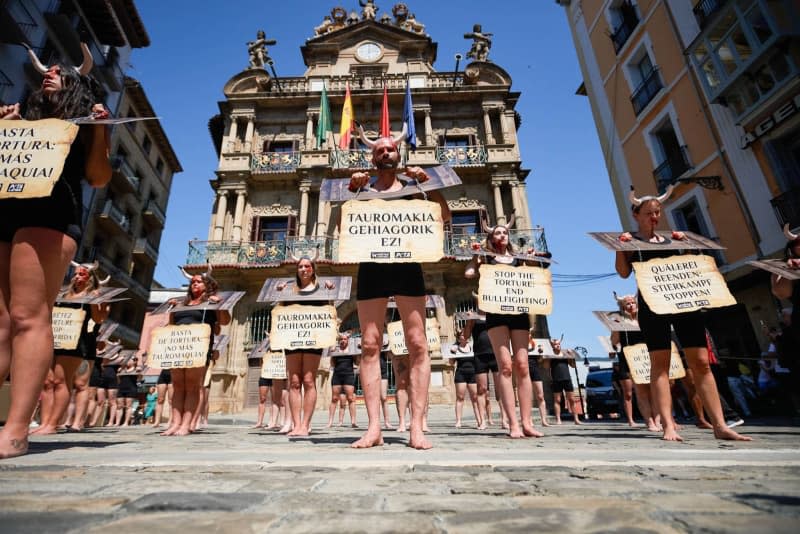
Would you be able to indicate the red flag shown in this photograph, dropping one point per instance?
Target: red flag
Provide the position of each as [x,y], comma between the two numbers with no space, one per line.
[385,127]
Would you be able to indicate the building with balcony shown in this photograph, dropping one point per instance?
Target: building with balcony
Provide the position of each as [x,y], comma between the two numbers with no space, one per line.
[126,218]
[702,94]
[123,223]
[271,169]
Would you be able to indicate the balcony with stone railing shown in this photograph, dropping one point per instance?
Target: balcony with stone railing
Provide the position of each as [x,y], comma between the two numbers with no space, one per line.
[461,156]
[275,162]
[114,218]
[271,253]
[143,248]
[334,84]
[153,214]
[127,177]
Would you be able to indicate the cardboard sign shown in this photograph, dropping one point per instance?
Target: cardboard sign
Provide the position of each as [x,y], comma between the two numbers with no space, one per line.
[227,300]
[397,338]
[778,267]
[681,284]
[342,286]
[179,346]
[510,290]
[439,177]
[298,327]
[32,156]
[397,231]
[692,241]
[639,362]
[616,322]
[98,296]
[67,327]
[454,350]
[273,365]
[541,347]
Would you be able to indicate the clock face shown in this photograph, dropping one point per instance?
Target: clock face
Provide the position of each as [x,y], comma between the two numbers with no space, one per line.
[368,51]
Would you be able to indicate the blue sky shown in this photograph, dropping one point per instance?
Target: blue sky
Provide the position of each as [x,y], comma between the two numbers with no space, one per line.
[198,45]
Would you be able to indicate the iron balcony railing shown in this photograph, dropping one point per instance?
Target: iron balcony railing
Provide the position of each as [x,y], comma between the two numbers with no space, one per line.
[646,91]
[112,212]
[351,159]
[787,207]
[704,9]
[275,162]
[266,253]
[152,210]
[121,165]
[461,156]
[672,168]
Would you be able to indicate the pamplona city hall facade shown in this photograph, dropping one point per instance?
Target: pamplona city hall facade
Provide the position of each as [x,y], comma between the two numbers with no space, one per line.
[276,150]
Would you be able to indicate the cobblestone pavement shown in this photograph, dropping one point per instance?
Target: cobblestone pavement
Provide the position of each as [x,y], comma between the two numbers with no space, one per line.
[597,477]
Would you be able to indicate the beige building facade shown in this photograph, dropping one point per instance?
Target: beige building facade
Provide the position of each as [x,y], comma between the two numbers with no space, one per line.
[271,169]
[667,81]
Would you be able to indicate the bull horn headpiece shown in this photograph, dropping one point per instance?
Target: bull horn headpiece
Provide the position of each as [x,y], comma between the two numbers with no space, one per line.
[787,231]
[369,143]
[490,229]
[88,266]
[104,281]
[188,276]
[306,256]
[637,201]
[84,69]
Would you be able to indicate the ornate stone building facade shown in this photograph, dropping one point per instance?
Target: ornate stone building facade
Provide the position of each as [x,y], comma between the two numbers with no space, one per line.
[271,167]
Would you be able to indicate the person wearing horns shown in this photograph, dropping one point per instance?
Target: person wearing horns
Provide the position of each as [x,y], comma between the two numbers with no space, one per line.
[302,365]
[509,330]
[72,368]
[39,237]
[186,382]
[629,309]
[689,327]
[376,283]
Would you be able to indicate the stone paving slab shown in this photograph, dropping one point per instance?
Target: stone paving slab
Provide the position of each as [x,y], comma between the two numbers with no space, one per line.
[229,478]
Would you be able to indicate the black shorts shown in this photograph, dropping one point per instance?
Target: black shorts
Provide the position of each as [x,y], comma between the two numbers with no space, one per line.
[304,351]
[96,378]
[533,369]
[384,367]
[343,379]
[127,393]
[61,211]
[264,382]
[485,363]
[562,385]
[383,280]
[164,377]
[464,375]
[519,321]
[110,379]
[624,372]
[689,328]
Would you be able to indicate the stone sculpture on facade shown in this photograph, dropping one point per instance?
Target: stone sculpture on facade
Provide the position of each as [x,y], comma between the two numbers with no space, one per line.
[325,27]
[400,12]
[481,43]
[369,9]
[257,50]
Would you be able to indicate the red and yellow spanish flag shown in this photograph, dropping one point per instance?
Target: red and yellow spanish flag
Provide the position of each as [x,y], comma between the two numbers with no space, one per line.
[346,129]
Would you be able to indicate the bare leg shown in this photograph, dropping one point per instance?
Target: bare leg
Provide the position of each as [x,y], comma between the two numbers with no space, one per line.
[82,393]
[161,389]
[336,391]
[64,371]
[473,397]
[412,313]
[350,399]
[385,404]
[91,405]
[102,402]
[461,392]
[194,381]
[500,337]
[284,413]
[557,406]
[113,415]
[707,390]
[178,401]
[481,381]
[278,402]
[47,406]
[400,365]
[645,406]
[538,392]
[659,383]
[310,364]
[294,370]
[627,400]
[573,408]
[519,343]
[695,400]
[263,391]
[31,270]
[371,315]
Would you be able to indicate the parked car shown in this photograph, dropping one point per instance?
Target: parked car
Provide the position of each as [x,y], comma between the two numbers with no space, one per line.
[601,396]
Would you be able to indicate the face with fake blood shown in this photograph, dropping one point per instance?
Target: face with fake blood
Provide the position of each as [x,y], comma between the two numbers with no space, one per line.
[647,216]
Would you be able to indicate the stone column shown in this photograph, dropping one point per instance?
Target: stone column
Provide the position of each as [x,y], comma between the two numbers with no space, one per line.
[310,141]
[238,215]
[322,217]
[487,125]
[303,219]
[504,126]
[222,209]
[233,133]
[518,208]
[500,217]
[248,135]
[428,128]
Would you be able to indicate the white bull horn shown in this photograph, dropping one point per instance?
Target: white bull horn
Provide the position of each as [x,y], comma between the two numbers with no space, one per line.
[35,61]
[208,271]
[74,263]
[511,221]
[187,275]
[106,280]
[87,63]
[364,139]
[402,135]
[637,201]
[787,231]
